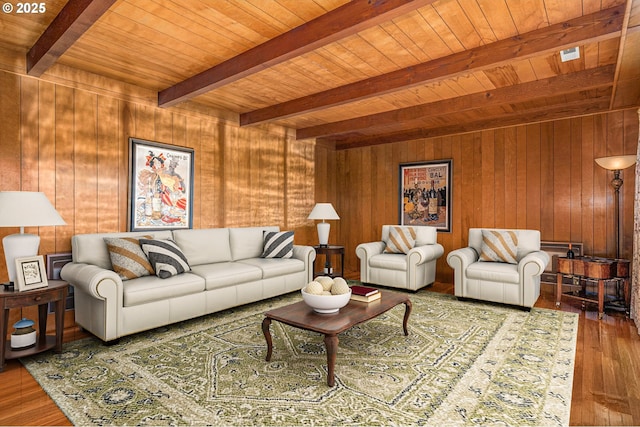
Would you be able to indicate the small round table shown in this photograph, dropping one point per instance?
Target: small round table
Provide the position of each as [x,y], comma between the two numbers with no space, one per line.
[328,251]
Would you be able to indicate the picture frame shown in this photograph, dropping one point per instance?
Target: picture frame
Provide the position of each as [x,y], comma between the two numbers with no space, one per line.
[425,194]
[55,262]
[30,273]
[161,186]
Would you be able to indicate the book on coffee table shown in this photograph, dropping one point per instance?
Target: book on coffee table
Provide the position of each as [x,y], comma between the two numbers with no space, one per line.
[372,297]
[364,291]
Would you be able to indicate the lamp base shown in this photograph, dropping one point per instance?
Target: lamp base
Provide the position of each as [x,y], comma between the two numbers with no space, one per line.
[323,233]
[9,287]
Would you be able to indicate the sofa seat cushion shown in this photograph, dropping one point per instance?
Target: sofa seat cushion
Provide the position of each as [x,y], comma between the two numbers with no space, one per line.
[273,267]
[223,274]
[493,272]
[389,261]
[150,288]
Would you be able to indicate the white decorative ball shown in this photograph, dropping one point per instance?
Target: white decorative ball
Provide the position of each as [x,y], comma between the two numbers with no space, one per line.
[314,288]
[326,282]
[339,286]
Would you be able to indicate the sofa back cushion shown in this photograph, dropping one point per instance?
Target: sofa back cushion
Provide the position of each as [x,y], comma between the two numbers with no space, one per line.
[204,246]
[528,240]
[248,242]
[92,249]
[425,235]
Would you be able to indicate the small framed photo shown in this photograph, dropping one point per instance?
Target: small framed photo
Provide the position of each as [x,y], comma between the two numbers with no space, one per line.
[30,273]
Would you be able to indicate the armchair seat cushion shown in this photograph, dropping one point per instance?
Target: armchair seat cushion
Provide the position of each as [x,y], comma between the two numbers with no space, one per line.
[494,272]
[389,261]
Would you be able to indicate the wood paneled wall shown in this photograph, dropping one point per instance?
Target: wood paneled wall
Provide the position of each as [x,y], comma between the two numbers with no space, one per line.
[540,176]
[72,144]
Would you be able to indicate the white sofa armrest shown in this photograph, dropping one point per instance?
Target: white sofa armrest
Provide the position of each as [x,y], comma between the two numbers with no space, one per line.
[307,255]
[421,254]
[101,295]
[90,279]
[533,264]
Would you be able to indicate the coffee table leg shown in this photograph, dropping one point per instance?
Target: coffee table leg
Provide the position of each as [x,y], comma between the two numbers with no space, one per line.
[267,335]
[407,312]
[331,343]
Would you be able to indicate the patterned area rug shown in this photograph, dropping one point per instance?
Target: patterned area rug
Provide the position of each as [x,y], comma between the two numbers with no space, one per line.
[463,363]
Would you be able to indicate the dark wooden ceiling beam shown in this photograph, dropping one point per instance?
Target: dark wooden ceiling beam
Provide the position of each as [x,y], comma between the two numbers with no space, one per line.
[563,84]
[541,114]
[337,24]
[590,28]
[76,17]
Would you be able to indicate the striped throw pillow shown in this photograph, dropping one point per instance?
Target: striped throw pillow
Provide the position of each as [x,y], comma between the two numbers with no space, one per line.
[278,244]
[165,256]
[127,258]
[499,246]
[401,240]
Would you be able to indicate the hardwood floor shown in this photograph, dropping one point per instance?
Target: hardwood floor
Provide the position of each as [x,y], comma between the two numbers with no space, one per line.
[606,386]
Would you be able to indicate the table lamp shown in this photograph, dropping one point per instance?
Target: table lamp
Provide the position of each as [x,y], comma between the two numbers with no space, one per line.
[24,209]
[323,211]
[616,164]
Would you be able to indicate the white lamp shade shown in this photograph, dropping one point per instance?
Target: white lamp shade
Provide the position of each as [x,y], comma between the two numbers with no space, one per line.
[27,209]
[613,163]
[323,211]
[24,209]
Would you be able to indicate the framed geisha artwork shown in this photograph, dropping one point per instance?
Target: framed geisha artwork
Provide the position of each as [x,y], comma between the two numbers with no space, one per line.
[425,194]
[161,186]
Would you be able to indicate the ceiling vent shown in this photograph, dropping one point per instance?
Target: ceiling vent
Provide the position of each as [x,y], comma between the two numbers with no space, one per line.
[570,54]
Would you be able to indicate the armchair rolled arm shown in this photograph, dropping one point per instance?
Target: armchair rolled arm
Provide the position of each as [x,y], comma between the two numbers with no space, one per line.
[365,251]
[421,254]
[91,279]
[533,264]
[462,258]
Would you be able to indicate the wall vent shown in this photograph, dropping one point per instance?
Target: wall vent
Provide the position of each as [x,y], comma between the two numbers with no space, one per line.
[570,54]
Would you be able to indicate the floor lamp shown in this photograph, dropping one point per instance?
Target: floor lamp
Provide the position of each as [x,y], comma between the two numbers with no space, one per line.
[616,164]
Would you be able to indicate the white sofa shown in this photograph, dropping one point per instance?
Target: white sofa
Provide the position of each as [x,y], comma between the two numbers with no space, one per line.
[508,283]
[226,271]
[413,270]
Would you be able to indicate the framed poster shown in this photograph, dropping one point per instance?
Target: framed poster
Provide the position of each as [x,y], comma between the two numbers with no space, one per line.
[425,194]
[161,186]
[30,273]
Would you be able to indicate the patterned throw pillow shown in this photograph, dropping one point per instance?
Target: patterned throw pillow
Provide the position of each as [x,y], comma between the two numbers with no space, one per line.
[165,256]
[499,246]
[127,258]
[401,240]
[278,244]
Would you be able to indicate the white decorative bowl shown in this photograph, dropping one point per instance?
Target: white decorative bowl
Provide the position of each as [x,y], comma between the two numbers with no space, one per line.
[326,304]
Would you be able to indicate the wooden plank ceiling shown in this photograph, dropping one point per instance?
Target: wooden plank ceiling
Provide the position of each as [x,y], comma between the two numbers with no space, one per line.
[354,73]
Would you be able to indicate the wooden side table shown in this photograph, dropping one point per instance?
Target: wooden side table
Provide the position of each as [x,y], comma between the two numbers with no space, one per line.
[55,292]
[329,251]
[602,271]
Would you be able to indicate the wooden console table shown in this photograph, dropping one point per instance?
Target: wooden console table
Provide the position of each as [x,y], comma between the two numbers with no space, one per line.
[602,271]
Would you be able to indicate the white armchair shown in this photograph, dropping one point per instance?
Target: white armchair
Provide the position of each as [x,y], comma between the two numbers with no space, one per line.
[515,283]
[413,270]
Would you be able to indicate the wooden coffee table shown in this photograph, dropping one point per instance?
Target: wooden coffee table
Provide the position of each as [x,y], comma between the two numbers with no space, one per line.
[300,315]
